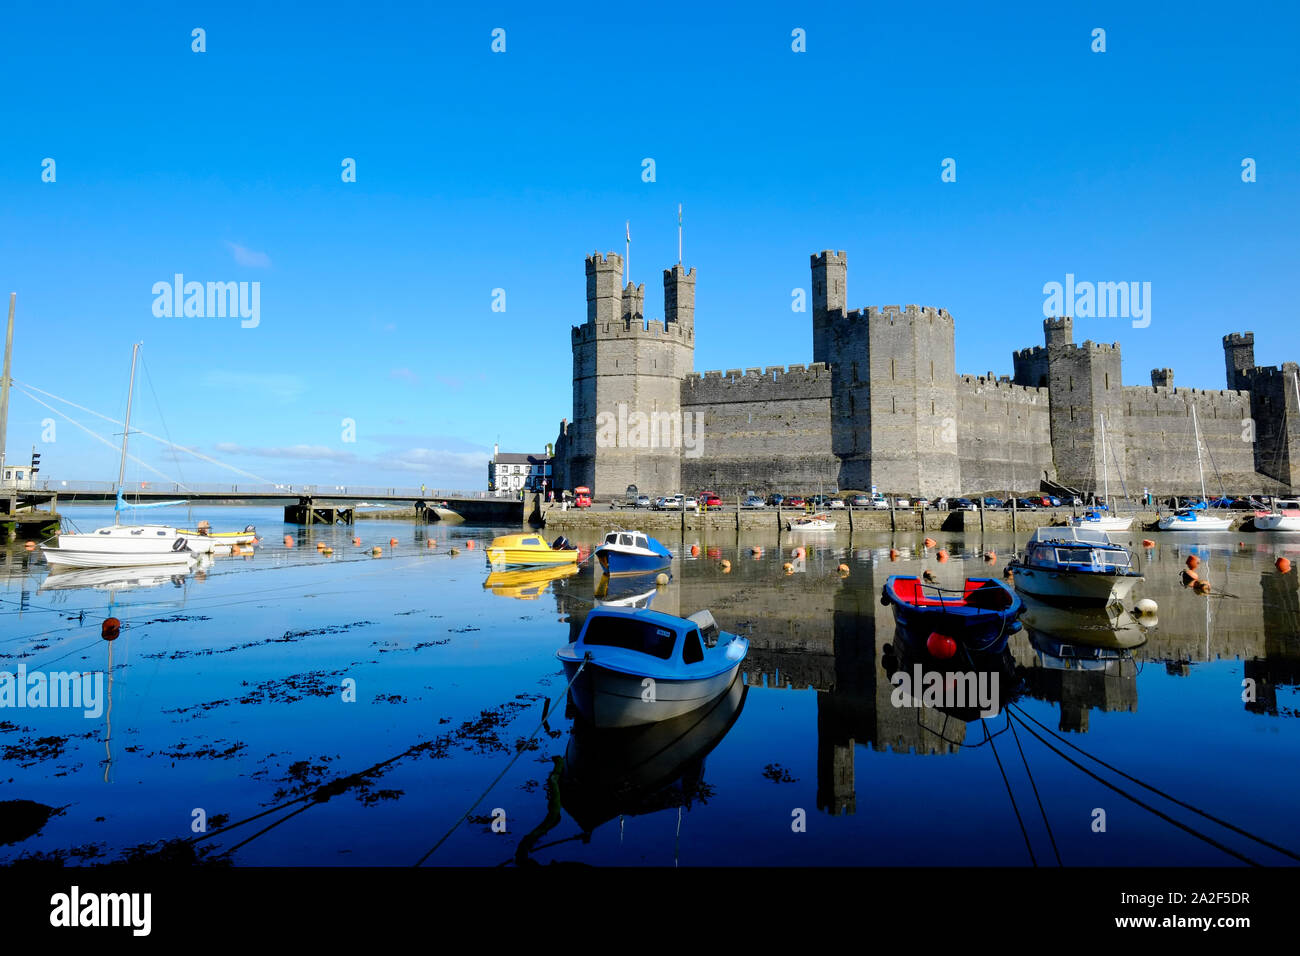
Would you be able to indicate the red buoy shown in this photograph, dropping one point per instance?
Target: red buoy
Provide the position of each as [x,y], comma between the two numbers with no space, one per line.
[942,555]
[1193,562]
[940,646]
[1283,565]
[110,629]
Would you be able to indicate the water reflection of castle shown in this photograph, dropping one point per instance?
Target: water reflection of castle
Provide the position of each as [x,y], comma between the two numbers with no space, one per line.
[829,635]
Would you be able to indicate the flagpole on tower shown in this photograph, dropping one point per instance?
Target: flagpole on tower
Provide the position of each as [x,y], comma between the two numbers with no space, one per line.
[627,255]
[679,233]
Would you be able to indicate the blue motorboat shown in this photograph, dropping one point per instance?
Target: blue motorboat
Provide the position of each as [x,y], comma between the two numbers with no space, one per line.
[640,666]
[979,618]
[632,552]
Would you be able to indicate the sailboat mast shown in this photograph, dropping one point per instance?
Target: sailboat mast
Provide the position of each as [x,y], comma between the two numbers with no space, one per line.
[126,429]
[4,383]
[1105,470]
[1196,428]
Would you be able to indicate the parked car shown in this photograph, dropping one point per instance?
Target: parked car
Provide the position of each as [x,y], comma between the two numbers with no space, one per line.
[879,502]
[860,501]
[582,497]
[642,501]
[795,501]
[754,501]
[710,500]
[991,502]
[688,502]
[920,502]
[902,501]
[1020,503]
[776,501]
[961,504]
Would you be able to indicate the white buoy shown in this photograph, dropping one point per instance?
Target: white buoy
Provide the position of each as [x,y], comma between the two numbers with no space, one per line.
[1146,606]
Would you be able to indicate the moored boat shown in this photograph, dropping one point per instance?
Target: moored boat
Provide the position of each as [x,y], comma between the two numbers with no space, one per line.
[632,552]
[1191,519]
[817,522]
[1098,520]
[980,617]
[633,666]
[1284,516]
[119,546]
[1074,566]
[527,584]
[523,550]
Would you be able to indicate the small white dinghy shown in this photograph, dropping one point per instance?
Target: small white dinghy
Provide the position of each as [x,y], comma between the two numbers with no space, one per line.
[818,522]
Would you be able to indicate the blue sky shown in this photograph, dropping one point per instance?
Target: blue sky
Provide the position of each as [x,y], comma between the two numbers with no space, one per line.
[478,171]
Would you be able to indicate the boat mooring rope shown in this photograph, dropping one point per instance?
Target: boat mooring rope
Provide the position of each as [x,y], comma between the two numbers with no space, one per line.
[518,752]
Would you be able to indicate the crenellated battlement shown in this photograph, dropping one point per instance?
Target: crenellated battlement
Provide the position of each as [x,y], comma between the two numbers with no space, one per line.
[826,257]
[894,313]
[1002,383]
[1235,339]
[1272,374]
[655,329]
[773,383]
[610,260]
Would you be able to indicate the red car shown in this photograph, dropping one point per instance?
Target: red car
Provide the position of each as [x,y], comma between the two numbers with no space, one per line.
[794,501]
[710,500]
[582,497]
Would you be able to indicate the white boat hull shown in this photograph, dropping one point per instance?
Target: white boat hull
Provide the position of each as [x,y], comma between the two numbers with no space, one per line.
[810,526]
[1199,523]
[1074,587]
[1103,524]
[1276,522]
[62,558]
[609,698]
[119,546]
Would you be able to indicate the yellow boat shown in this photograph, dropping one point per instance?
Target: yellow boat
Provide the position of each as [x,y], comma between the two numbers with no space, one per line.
[247,536]
[526,550]
[527,584]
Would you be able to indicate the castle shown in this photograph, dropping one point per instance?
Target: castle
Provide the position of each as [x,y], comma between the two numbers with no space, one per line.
[883,406]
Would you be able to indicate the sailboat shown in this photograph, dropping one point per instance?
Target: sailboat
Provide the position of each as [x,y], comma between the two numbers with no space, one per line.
[1189,519]
[1098,518]
[119,545]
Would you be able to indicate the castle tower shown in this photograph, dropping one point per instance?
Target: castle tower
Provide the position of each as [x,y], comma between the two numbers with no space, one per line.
[627,374]
[679,296]
[829,279]
[1238,357]
[1084,382]
[894,400]
[1162,378]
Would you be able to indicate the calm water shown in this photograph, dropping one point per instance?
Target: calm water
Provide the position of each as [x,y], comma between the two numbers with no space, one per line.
[227,696]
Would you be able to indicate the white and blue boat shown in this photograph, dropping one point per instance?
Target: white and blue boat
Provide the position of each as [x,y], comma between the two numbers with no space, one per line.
[632,552]
[1075,565]
[979,618]
[640,666]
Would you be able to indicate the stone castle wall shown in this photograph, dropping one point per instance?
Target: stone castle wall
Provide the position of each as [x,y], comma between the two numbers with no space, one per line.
[760,429]
[1004,435]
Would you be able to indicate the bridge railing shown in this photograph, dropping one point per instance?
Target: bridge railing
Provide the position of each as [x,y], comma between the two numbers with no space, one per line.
[250,489]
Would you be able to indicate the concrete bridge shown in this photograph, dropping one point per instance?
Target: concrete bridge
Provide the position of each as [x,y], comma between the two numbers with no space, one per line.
[303,504]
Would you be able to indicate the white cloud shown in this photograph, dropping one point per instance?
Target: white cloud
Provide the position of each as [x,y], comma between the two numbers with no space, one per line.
[249,257]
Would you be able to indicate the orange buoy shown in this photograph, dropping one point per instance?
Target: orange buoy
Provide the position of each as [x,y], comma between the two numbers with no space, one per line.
[788,568]
[725,566]
[755,550]
[843,569]
[392,542]
[942,555]
[328,551]
[288,541]
[356,542]
[1193,562]
[799,553]
[376,550]
[1148,543]
[893,554]
[714,552]
[1189,577]
[429,542]
[29,546]
[990,557]
[110,629]
[319,545]
[930,542]
[695,550]
[469,545]
[1283,565]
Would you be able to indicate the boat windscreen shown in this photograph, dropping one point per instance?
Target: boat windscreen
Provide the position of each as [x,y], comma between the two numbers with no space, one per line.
[632,635]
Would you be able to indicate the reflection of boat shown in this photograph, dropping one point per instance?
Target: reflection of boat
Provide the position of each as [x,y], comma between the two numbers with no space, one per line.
[1074,565]
[530,549]
[980,617]
[818,522]
[110,579]
[636,770]
[527,584]
[640,666]
[1082,638]
[624,592]
[216,539]
[632,552]
[1284,516]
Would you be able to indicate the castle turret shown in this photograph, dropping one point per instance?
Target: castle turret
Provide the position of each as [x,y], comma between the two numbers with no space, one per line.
[1239,357]
[679,296]
[627,374]
[1058,331]
[829,277]
[1162,378]
[604,287]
